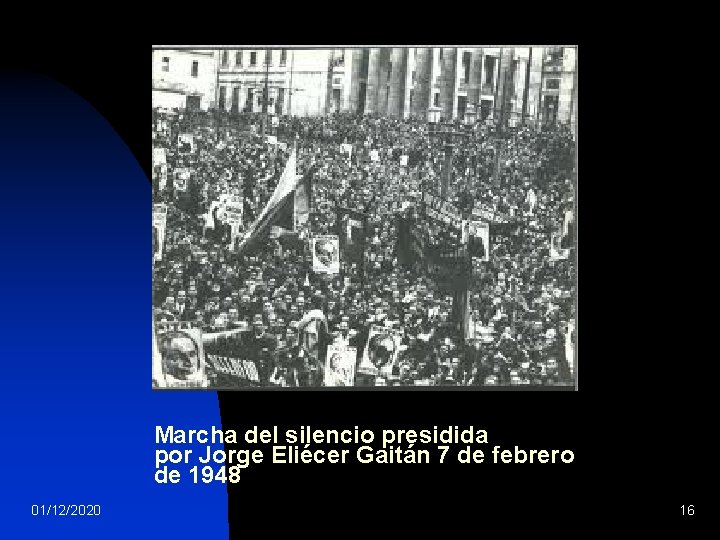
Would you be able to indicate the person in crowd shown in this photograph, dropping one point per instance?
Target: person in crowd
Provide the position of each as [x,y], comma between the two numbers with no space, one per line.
[521,299]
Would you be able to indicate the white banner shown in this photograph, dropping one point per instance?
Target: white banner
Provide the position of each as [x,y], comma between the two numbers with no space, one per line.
[180,182]
[340,365]
[160,166]
[158,238]
[178,357]
[233,209]
[556,252]
[325,251]
[346,148]
[159,156]
[186,143]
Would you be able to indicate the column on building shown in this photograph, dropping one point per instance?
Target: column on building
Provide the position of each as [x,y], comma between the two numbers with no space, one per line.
[433,89]
[535,91]
[421,92]
[396,84]
[565,96]
[357,77]
[455,77]
[407,81]
[488,79]
[505,91]
[373,73]
[346,104]
[446,83]
[383,65]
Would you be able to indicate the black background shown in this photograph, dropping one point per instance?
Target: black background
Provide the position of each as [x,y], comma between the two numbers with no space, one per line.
[633,426]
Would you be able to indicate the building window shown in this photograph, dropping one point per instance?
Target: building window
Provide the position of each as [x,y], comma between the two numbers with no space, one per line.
[462,105]
[364,62]
[389,75]
[268,57]
[552,84]
[436,99]
[221,99]
[441,54]
[513,73]
[224,58]
[194,69]
[466,66]
[283,57]
[362,94]
[336,100]
[249,99]
[489,69]
[414,77]
[554,54]
[238,58]
[236,99]
[253,58]
[337,81]
[166,63]
[280,101]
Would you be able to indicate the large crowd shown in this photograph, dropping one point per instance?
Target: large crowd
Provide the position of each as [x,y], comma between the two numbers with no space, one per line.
[521,301]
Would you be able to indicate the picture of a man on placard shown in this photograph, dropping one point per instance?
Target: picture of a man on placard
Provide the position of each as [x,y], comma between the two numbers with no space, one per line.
[181,359]
[326,255]
[325,252]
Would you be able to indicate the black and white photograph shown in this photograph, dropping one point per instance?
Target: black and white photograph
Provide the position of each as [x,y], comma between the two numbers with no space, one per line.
[384,217]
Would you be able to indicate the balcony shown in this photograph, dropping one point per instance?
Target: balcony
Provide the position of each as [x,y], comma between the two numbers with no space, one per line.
[552,68]
[169,86]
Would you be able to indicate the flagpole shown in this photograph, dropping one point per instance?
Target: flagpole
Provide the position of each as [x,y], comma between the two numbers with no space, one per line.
[527,85]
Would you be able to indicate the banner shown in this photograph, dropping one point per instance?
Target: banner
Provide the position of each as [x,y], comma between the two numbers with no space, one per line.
[351,230]
[325,251]
[567,240]
[374,156]
[570,347]
[381,351]
[182,176]
[158,238]
[245,370]
[340,365]
[178,358]
[346,148]
[476,234]
[159,163]
[186,143]
[233,209]
[556,252]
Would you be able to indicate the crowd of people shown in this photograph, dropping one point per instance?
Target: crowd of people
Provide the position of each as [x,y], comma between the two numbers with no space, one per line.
[520,302]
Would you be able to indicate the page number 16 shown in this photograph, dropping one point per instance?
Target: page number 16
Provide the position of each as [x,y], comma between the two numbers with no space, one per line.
[688,510]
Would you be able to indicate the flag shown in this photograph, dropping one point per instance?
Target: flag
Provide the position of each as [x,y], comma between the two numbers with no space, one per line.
[301,202]
[280,209]
[567,239]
